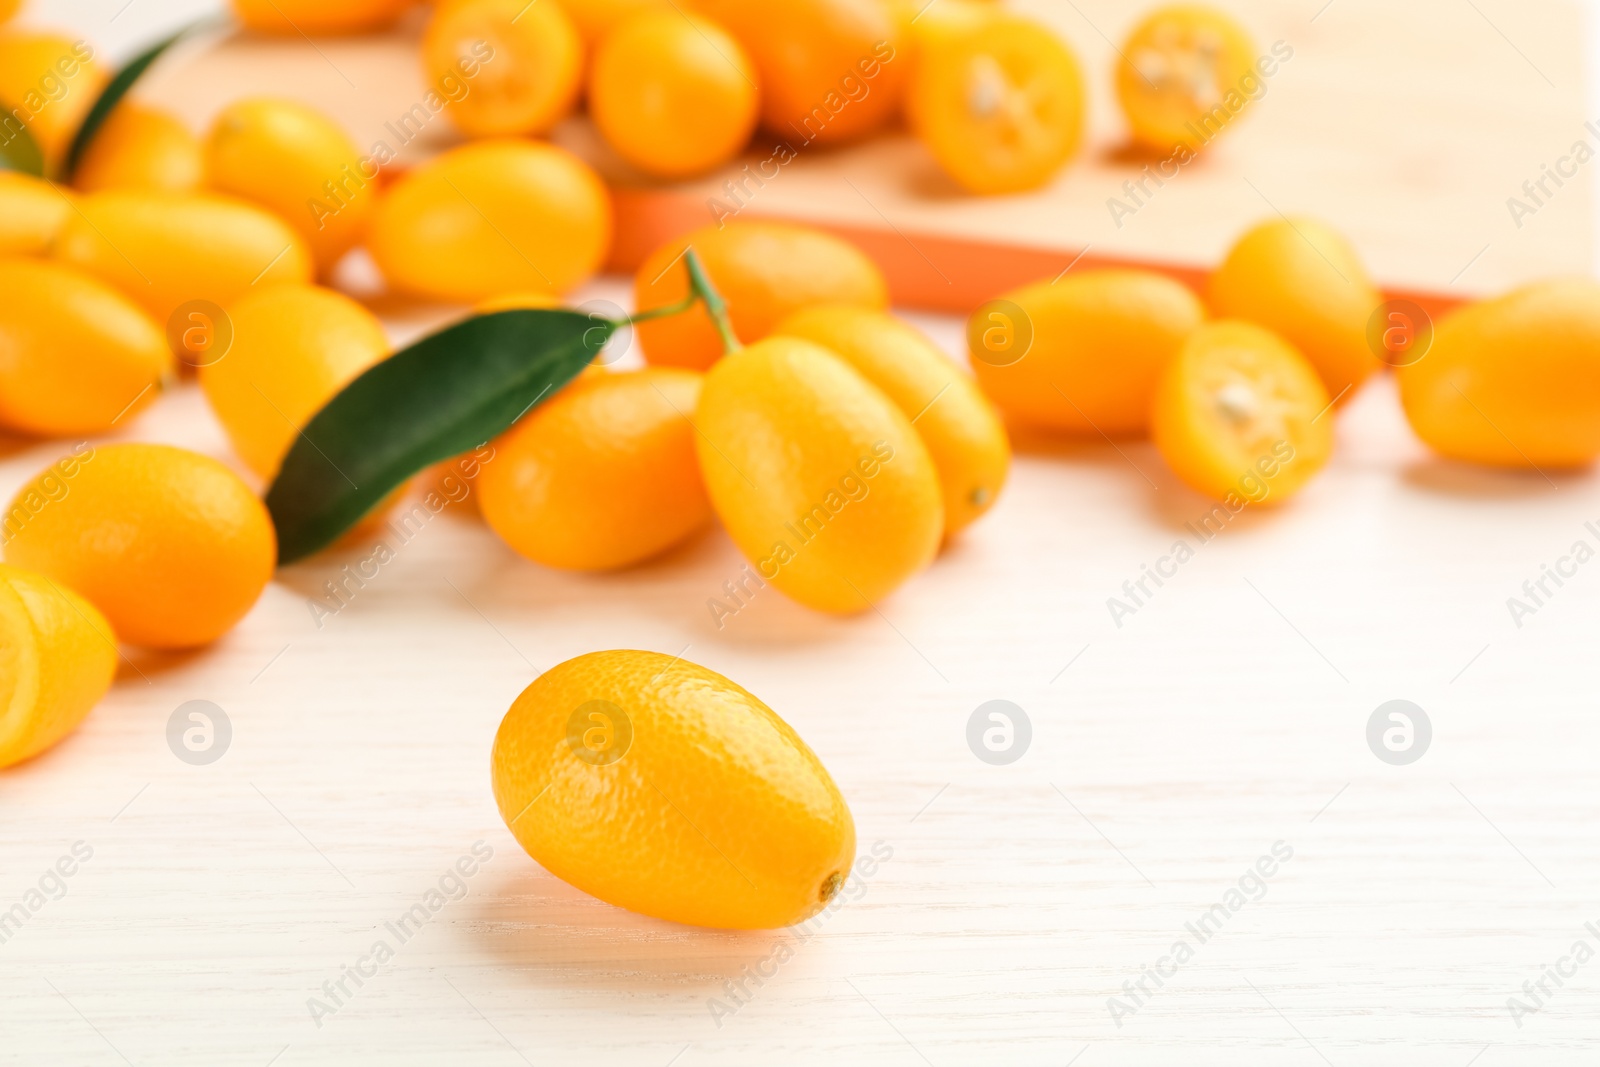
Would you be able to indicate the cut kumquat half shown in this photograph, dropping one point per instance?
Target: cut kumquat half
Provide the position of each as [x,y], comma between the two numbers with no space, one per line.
[1239,415]
[1001,108]
[1187,71]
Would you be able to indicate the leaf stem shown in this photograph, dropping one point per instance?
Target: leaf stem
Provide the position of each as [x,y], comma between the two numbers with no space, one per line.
[716,307]
[663,311]
[701,291]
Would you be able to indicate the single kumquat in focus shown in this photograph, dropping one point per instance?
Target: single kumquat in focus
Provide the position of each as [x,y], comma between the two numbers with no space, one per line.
[664,788]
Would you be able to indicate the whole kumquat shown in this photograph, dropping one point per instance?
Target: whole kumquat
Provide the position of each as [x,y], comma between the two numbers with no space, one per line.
[674,94]
[167,249]
[298,164]
[493,217]
[819,478]
[170,545]
[1513,381]
[293,348]
[602,476]
[141,148]
[1303,281]
[955,420]
[766,271]
[1082,354]
[78,356]
[667,789]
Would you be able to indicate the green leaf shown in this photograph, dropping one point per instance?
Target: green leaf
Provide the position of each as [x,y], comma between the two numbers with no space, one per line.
[109,98]
[445,395]
[19,151]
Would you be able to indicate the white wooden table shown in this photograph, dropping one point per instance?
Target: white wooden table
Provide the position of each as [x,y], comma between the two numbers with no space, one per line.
[1228,714]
